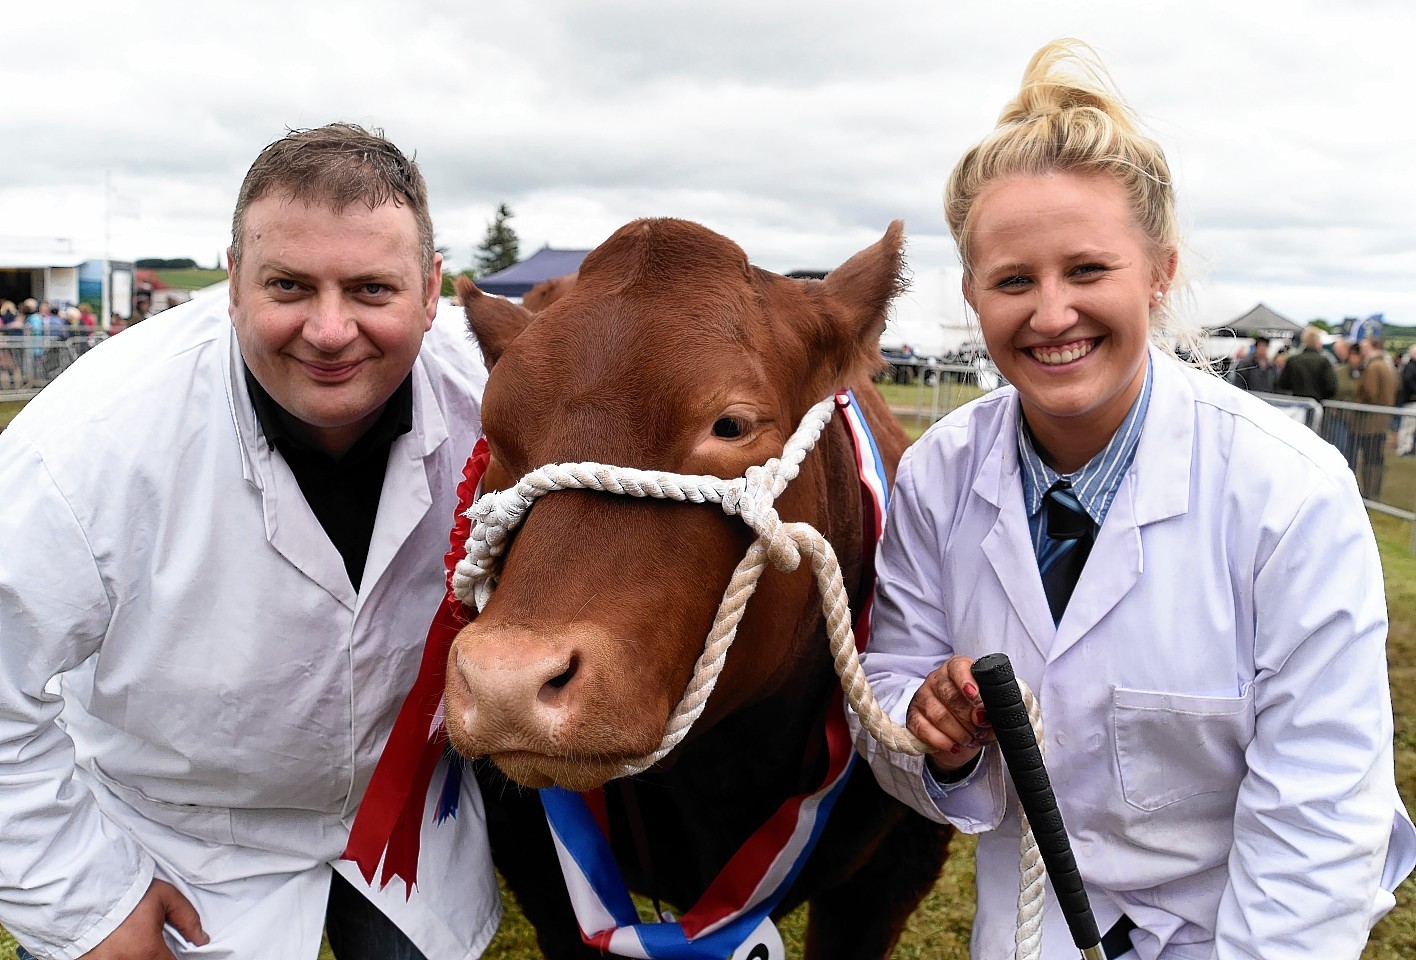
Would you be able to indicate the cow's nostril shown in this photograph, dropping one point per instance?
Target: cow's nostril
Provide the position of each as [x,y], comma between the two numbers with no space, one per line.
[565,676]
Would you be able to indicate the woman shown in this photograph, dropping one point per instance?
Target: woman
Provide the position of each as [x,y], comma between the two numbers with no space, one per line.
[1218,722]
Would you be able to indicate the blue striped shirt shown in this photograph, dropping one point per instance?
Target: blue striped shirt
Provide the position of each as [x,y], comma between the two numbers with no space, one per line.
[1095,485]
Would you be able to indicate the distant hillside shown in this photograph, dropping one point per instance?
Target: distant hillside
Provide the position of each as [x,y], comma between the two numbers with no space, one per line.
[190,279]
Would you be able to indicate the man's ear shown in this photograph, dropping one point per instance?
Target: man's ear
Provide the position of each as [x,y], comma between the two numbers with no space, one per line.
[434,290]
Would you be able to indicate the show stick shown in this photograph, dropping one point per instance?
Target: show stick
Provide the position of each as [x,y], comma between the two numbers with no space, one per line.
[1003,700]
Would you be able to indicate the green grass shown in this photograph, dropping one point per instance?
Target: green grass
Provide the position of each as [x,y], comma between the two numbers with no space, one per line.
[8,411]
[188,279]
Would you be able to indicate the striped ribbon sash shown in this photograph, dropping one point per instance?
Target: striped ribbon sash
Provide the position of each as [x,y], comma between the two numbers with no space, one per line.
[734,912]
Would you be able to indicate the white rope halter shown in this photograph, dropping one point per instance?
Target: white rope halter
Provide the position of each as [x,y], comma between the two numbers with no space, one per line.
[495,515]
[750,497]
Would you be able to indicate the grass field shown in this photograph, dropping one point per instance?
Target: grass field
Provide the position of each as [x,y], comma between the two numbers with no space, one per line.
[939,930]
[189,279]
[8,409]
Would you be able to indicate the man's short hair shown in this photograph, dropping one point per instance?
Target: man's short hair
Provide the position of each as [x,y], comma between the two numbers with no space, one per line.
[336,165]
[1259,340]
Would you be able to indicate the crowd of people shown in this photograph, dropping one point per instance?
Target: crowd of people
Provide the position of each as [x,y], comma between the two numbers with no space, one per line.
[208,625]
[1350,371]
[30,364]
[40,318]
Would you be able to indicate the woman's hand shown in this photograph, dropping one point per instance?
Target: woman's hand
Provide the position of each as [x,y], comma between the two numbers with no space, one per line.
[948,715]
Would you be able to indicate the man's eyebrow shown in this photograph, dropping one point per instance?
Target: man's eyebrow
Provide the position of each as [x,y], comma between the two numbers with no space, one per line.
[373,277]
[388,277]
[268,266]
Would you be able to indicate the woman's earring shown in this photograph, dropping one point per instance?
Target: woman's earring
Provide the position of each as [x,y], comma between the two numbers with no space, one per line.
[1160,294]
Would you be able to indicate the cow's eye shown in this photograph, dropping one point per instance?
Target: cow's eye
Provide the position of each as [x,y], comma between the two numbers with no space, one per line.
[729,428]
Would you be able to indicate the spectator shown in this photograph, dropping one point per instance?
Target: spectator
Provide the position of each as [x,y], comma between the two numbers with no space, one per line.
[55,325]
[1339,422]
[1307,372]
[1376,385]
[1256,372]
[10,325]
[87,320]
[32,318]
[34,314]
[1406,398]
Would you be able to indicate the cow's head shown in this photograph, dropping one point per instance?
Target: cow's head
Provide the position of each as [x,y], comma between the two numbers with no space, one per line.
[672,353]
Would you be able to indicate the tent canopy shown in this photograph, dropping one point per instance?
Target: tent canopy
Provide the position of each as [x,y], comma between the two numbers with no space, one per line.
[1260,321]
[544,264]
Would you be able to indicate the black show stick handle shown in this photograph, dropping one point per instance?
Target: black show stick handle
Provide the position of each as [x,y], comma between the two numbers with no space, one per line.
[1009,716]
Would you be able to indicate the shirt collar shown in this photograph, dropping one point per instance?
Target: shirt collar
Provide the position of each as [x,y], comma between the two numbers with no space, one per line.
[395,420]
[1096,483]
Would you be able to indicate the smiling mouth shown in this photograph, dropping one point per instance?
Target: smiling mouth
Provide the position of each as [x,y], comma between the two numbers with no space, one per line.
[330,371]
[1060,354]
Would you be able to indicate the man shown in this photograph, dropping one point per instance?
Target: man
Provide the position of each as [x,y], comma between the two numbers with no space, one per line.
[230,565]
[1339,422]
[1406,398]
[1308,372]
[1256,372]
[1375,386]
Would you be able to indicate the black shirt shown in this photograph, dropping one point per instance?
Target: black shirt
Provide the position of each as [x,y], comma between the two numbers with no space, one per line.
[342,491]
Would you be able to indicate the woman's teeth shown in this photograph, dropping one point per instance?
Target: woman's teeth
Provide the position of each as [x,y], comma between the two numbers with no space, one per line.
[1053,356]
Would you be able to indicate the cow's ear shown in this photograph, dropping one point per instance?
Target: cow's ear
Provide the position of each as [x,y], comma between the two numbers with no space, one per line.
[865,284]
[494,321]
[859,292]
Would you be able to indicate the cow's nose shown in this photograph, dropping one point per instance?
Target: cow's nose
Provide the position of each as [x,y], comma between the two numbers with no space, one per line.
[514,696]
[521,683]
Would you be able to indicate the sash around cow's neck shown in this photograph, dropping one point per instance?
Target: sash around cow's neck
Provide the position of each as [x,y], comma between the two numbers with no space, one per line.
[389,823]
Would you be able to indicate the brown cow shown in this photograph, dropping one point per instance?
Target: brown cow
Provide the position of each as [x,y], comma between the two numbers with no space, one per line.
[673,353]
[547,292]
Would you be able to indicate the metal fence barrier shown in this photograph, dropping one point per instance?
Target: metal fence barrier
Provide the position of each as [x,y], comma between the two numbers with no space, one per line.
[29,363]
[935,388]
[1379,444]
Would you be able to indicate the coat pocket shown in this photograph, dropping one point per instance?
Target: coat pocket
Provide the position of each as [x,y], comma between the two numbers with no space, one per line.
[1172,747]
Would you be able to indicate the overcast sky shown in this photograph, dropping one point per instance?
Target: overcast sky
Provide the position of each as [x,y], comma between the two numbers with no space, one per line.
[798,129]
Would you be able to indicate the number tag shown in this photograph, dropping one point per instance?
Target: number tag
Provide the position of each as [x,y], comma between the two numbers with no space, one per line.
[764,943]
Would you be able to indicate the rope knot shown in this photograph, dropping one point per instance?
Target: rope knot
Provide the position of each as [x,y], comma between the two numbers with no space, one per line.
[751,497]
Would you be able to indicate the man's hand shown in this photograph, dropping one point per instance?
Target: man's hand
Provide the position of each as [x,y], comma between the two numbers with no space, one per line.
[947,713]
[140,936]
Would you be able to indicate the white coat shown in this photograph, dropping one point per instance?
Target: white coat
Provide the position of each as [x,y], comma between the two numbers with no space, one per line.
[225,691]
[1215,697]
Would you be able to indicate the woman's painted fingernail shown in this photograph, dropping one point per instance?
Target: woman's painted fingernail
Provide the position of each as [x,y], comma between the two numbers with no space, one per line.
[970,691]
[954,748]
[981,717]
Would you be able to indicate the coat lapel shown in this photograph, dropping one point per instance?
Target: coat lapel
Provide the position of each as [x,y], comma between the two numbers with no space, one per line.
[291,526]
[1163,457]
[407,496]
[1008,543]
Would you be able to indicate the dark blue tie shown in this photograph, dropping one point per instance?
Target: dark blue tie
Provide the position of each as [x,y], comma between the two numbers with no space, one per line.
[1070,533]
